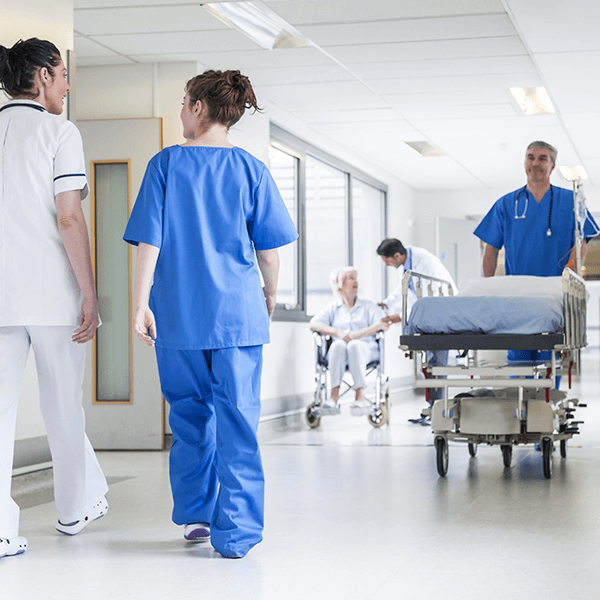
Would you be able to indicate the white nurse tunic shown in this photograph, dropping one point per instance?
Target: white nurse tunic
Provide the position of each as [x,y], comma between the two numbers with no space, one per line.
[41,156]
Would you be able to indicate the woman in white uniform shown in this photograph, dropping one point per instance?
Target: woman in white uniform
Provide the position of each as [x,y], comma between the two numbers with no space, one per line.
[47,293]
[353,322]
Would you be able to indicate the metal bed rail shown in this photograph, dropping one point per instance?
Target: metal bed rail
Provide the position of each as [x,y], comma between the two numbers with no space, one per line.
[419,290]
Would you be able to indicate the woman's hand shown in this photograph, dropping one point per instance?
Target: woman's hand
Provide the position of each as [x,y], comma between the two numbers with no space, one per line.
[89,322]
[143,319]
[384,324]
[347,337]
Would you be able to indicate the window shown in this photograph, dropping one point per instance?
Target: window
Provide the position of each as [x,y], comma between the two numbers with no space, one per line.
[284,168]
[340,215]
[326,230]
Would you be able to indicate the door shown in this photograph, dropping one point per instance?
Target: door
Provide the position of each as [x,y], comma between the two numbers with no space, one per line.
[122,398]
[458,248]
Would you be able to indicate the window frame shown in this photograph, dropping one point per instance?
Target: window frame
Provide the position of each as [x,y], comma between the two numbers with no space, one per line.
[299,149]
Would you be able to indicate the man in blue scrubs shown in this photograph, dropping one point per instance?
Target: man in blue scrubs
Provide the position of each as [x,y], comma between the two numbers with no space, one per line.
[536,226]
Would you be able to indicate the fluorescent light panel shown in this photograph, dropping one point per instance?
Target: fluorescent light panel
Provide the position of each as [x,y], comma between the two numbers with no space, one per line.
[573,173]
[423,148]
[258,22]
[533,101]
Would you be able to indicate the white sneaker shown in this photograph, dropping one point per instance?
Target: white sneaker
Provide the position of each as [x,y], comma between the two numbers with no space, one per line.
[361,408]
[12,547]
[197,532]
[98,510]
[329,407]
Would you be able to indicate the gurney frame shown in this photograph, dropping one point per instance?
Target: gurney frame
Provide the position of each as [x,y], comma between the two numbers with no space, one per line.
[501,407]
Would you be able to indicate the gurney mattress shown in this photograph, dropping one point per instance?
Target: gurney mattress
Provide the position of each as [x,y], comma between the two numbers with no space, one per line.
[486,314]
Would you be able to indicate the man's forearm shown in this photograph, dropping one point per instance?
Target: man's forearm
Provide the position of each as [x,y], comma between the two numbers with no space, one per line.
[490,261]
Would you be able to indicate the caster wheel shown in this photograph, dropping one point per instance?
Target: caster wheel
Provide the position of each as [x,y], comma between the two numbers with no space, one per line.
[473,450]
[547,449]
[563,448]
[441,449]
[506,455]
[380,418]
[311,419]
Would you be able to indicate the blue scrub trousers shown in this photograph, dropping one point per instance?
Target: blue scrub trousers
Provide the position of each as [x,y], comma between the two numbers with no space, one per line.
[215,466]
[531,355]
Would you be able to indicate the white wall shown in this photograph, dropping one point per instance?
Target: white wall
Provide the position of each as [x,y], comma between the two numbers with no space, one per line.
[144,90]
[459,204]
[51,20]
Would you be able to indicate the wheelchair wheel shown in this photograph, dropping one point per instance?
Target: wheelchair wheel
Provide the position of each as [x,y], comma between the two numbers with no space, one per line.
[311,419]
[380,417]
[473,450]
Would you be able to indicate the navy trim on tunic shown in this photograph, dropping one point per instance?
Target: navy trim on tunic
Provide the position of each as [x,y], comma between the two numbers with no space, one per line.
[36,106]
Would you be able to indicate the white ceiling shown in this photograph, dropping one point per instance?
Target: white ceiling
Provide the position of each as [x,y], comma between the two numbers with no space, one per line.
[387,71]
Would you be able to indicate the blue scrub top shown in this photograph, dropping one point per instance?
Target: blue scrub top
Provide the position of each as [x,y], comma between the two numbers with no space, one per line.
[528,248]
[208,209]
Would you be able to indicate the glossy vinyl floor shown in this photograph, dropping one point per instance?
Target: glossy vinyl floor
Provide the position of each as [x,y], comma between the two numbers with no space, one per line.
[352,513]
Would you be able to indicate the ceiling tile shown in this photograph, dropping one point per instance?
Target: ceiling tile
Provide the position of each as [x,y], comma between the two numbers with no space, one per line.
[317,11]
[182,42]
[149,19]
[410,30]
[340,95]
[349,115]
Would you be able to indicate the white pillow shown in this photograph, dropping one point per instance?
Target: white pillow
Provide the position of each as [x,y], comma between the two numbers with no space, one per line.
[513,285]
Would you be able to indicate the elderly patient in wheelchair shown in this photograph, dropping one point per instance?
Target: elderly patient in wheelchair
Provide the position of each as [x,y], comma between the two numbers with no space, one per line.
[352,323]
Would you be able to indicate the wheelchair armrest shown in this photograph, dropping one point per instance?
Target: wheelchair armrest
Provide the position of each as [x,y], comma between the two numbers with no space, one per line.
[322,344]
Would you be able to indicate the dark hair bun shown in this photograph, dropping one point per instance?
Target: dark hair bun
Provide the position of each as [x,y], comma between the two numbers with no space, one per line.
[227,93]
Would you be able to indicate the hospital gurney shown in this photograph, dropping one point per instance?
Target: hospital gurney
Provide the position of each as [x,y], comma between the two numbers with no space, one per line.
[502,407]
[380,412]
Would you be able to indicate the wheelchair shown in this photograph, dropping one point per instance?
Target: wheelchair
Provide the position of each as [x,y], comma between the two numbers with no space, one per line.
[380,413]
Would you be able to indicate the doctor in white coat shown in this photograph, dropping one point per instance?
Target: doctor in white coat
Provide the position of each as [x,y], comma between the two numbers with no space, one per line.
[412,258]
[47,293]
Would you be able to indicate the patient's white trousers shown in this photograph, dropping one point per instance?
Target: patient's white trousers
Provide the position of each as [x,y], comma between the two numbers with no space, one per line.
[78,479]
[355,355]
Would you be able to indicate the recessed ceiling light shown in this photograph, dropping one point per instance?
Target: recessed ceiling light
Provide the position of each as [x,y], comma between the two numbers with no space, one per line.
[573,173]
[423,148]
[258,22]
[533,101]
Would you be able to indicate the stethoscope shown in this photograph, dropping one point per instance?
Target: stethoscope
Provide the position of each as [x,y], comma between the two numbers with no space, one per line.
[522,216]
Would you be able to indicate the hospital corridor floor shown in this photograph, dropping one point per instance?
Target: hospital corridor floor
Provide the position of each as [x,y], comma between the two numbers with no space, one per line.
[352,513]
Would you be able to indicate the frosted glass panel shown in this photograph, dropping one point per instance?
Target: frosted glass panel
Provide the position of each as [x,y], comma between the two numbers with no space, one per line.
[112,282]
[326,230]
[284,169]
[367,234]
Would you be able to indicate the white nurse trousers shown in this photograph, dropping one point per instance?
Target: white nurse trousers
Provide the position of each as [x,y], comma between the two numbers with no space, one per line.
[354,355]
[78,479]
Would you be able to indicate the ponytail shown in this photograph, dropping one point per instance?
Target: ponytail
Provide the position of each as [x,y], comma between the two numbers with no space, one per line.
[19,65]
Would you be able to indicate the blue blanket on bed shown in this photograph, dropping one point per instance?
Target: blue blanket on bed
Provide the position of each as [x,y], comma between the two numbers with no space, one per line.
[486,314]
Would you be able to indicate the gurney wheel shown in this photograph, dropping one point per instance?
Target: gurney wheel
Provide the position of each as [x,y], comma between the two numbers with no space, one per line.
[547,448]
[311,419]
[441,448]
[506,455]
[563,448]
[380,418]
[473,450]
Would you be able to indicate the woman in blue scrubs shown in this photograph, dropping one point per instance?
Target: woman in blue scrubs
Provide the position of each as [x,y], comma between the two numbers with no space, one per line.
[207,219]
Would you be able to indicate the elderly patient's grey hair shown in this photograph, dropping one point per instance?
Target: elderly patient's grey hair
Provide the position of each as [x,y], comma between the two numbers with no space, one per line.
[336,278]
